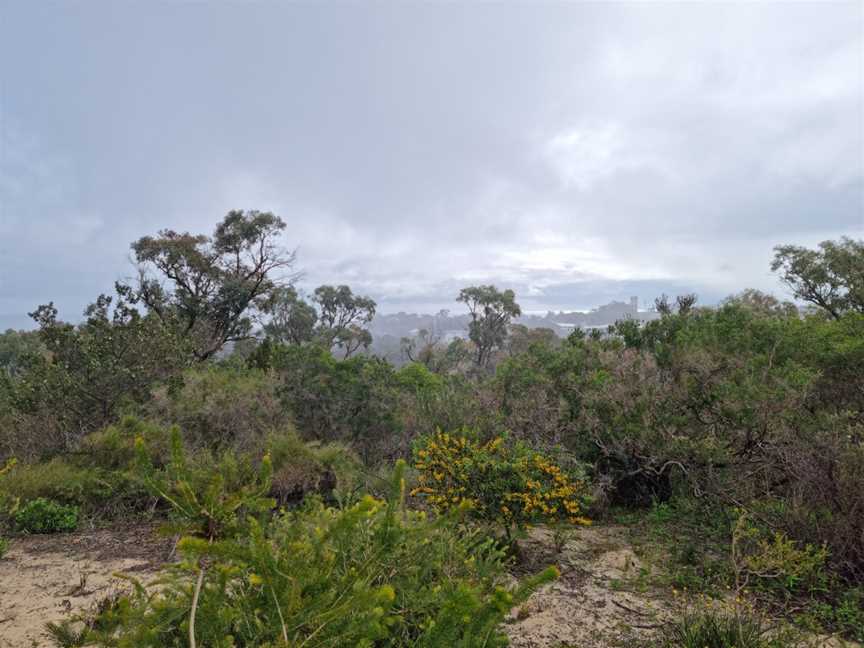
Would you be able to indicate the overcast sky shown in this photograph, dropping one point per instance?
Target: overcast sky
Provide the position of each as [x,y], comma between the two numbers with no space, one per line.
[575,152]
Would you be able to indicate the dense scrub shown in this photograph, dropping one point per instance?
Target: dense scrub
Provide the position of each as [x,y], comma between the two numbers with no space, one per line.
[750,414]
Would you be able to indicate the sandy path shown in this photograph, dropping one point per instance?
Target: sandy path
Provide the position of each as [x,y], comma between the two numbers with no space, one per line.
[584,607]
[47,578]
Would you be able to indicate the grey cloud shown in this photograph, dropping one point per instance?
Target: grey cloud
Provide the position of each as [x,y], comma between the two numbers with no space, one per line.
[576,152]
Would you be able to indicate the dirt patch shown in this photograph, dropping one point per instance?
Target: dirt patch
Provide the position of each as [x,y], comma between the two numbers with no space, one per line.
[587,607]
[48,578]
[604,597]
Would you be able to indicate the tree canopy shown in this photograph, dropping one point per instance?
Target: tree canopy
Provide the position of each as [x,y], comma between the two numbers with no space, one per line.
[830,277]
[491,311]
[208,288]
[292,319]
[343,316]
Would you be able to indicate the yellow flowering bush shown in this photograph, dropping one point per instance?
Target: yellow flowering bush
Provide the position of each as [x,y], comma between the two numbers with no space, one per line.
[498,482]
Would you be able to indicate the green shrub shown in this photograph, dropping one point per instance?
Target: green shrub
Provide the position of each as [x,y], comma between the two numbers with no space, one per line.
[822,499]
[210,497]
[849,613]
[773,562]
[58,480]
[101,479]
[4,546]
[505,484]
[97,478]
[371,574]
[779,562]
[715,629]
[301,468]
[95,491]
[222,408]
[354,401]
[46,516]
[113,447]
[845,614]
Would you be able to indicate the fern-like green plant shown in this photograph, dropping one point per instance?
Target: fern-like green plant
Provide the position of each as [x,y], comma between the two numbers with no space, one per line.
[210,497]
[68,633]
[213,500]
[371,574]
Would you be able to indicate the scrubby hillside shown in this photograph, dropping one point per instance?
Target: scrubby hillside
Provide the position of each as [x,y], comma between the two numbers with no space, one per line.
[690,481]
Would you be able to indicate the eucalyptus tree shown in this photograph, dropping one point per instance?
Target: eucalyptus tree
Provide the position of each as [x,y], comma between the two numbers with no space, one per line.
[343,318]
[491,311]
[208,289]
[292,319]
[830,277]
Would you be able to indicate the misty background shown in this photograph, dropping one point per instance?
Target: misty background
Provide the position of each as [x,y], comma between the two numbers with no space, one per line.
[577,153]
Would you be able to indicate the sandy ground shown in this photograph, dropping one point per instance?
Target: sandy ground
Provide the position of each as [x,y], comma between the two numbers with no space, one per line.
[47,578]
[603,598]
[588,606]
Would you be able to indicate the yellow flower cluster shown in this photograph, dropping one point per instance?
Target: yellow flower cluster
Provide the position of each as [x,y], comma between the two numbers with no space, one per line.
[550,493]
[443,471]
[496,481]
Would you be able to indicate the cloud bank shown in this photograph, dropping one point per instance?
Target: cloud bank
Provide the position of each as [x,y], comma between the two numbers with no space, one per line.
[574,152]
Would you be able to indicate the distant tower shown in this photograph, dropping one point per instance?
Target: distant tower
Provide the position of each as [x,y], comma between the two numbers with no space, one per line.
[634,305]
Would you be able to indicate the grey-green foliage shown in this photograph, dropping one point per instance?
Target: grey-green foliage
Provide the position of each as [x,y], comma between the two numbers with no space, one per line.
[204,288]
[340,321]
[91,371]
[292,319]
[343,317]
[830,277]
[761,303]
[222,407]
[491,311]
[15,349]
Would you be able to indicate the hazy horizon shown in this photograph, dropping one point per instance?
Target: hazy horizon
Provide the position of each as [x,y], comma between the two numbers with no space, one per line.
[577,153]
